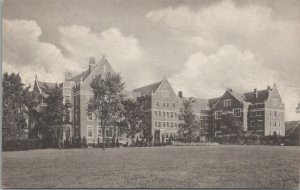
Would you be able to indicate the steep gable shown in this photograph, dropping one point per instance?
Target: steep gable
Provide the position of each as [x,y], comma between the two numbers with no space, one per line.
[146,90]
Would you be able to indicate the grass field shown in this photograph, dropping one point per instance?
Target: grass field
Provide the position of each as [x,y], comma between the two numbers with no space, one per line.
[165,167]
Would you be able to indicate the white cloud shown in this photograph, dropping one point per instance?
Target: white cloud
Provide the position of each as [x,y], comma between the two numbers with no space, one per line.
[123,52]
[23,52]
[263,49]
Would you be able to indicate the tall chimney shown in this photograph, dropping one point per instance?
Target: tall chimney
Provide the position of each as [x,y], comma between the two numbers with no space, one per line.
[255,93]
[92,64]
[180,94]
[68,76]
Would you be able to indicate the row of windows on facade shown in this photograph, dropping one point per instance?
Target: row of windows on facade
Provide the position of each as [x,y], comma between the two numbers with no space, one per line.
[228,102]
[260,123]
[109,132]
[236,112]
[165,104]
[165,124]
[165,114]
[260,113]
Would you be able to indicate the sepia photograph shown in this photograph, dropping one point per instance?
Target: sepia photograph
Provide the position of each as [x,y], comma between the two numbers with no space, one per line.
[148,94]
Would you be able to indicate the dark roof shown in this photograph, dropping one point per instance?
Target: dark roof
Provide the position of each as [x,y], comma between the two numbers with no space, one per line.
[212,101]
[146,90]
[262,96]
[293,130]
[82,76]
[200,104]
[131,95]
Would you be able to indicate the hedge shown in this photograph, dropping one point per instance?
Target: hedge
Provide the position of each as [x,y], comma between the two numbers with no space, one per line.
[26,144]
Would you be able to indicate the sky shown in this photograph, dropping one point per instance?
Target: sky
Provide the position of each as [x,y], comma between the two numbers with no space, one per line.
[203,47]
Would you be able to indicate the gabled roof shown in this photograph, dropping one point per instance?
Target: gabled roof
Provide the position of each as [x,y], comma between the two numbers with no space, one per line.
[262,96]
[213,101]
[239,96]
[146,90]
[82,76]
[292,130]
[200,104]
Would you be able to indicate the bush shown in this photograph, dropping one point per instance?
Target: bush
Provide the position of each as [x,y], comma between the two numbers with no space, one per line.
[25,144]
[83,143]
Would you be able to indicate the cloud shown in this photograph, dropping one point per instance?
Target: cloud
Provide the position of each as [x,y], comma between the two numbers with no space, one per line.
[23,52]
[238,46]
[123,52]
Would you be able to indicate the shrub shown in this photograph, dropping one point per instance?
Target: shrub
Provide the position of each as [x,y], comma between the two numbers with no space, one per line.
[83,143]
[117,143]
[25,144]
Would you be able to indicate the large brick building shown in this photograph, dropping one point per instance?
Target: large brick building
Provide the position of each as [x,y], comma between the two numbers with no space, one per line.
[259,111]
[162,109]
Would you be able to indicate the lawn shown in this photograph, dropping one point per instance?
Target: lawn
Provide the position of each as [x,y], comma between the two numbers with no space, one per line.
[153,167]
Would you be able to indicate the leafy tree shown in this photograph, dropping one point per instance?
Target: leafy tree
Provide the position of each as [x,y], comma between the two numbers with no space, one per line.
[14,107]
[106,102]
[186,113]
[231,125]
[133,117]
[56,113]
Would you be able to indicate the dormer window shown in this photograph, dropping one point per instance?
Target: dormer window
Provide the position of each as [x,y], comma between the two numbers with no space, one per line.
[227,102]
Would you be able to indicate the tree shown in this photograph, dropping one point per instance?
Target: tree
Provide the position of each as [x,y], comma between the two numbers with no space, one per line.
[186,113]
[133,117]
[56,114]
[14,107]
[231,125]
[106,101]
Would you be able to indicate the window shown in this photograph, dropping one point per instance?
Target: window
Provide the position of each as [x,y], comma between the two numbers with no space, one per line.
[253,113]
[76,115]
[164,104]
[159,113]
[172,124]
[227,102]
[167,124]
[167,104]
[90,116]
[165,94]
[275,113]
[67,100]
[218,114]
[173,104]
[157,104]
[99,131]
[171,114]
[168,114]
[251,123]
[159,124]
[109,132]
[237,112]
[259,113]
[164,124]
[164,114]
[155,113]
[155,123]
[259,123]
[274,123]
[90,131]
